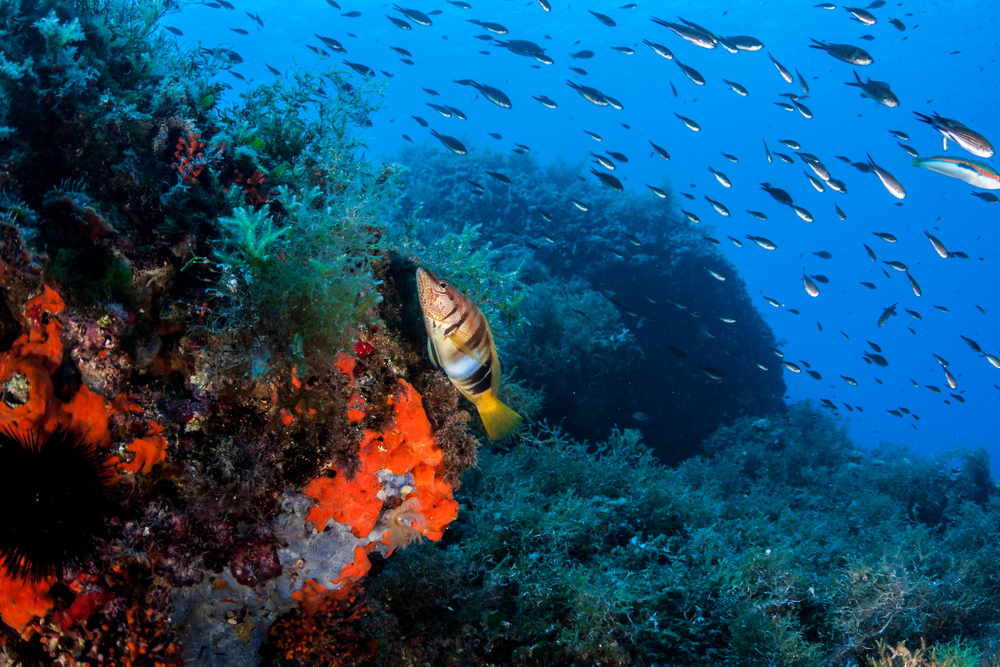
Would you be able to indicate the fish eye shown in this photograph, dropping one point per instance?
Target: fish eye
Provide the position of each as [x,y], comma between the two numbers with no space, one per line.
[443,285]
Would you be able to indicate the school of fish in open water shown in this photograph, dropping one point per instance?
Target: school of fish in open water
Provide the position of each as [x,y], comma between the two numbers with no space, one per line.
[882,206]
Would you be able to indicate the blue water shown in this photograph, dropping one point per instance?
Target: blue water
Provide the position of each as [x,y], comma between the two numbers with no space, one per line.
[920,66]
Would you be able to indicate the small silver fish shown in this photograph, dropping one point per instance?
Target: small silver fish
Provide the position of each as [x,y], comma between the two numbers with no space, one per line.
[662,152]
[861,16]
[715,274]
[785,74]
[692,125]
[845,52]
[722,178]
[811,288]
[737,88]
[886,314]
[894,187]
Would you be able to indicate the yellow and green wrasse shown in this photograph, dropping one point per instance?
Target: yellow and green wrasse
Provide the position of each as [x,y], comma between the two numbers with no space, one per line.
[459,341]
[973,172]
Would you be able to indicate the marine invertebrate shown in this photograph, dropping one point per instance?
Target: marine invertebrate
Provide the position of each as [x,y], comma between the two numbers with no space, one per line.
[251,196]
[405,524]
[106,619]
[399,463]
[22,600]
[53,450]
[58,483]
[190,160]
[254,562]
[329,636]
[49,450]
[148,451]
[405,447]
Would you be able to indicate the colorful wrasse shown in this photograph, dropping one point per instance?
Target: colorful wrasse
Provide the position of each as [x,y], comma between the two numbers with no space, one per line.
[973,172]
[459,341]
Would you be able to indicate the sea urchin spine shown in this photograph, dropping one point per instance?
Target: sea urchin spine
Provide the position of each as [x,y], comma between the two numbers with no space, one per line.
[54,500]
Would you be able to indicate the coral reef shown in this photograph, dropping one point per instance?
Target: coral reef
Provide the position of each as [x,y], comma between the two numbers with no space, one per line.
[212,365]
[193,301]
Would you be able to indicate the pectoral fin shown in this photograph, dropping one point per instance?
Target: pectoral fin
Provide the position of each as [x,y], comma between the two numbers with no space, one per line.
[465,349]
[432,353]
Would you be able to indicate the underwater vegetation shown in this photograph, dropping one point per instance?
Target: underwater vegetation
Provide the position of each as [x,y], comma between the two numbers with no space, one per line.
[782,544]
[617,314]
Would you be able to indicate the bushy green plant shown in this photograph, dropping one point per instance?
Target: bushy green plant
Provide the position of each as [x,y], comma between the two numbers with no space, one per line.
[788,546]
[303,112]
[954,653]
[302,285]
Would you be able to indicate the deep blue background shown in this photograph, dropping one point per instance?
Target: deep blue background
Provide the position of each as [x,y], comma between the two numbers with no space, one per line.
[920,66]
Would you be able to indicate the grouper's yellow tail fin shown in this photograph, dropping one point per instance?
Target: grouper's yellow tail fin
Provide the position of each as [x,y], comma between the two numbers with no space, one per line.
[500,421]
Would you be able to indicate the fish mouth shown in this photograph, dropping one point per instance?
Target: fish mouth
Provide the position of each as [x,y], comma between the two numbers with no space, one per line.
[428,282]
[425,278]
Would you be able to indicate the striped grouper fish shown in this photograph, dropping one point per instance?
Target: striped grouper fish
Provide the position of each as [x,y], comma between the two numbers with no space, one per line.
[460,342]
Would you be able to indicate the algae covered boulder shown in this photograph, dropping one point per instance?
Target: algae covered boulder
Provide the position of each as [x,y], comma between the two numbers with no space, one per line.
[629,315]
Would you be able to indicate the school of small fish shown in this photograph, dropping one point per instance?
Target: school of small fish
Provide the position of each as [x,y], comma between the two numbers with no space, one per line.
[669,39]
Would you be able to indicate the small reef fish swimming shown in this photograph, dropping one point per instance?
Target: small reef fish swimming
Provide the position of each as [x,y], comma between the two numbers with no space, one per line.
[973,172]
[845,52]
[459,341]
[875,90]
[968,139]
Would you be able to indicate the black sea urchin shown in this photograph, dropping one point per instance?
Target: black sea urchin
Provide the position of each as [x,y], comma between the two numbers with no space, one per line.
[53,502]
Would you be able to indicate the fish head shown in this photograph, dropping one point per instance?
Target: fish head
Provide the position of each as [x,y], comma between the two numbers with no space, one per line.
[433,293]
[438,299]
[889,99]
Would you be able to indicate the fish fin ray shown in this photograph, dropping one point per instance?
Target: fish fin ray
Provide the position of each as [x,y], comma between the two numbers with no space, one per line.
[432,353]
[465,349]
[499,420]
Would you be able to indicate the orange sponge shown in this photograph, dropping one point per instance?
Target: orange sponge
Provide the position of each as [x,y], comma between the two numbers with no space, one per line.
[351,501]
[406,445]
[21,600]
[148,451]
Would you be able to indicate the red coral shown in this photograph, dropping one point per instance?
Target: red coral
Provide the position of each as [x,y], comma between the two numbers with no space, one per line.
[190,161]
[251,194]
